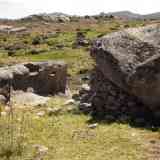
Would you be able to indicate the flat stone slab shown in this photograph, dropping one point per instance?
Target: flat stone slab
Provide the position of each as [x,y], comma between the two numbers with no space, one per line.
[23,99]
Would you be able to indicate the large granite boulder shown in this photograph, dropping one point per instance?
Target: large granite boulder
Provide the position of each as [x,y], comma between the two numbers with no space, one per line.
[130,60]
[43,78]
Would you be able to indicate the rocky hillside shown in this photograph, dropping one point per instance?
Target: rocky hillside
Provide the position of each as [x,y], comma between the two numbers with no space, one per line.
[55,17]
[153,16]
[62,17]
[125,15]
[131,16]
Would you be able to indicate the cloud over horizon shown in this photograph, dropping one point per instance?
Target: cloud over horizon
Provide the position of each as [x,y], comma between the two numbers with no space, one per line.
[22,8]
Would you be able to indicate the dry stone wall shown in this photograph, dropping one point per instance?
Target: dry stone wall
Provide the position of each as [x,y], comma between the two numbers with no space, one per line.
[43,78]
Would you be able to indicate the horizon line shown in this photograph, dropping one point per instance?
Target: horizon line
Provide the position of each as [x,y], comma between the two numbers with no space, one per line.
[79,15]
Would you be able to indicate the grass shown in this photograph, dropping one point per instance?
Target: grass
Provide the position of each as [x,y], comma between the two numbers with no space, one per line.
[67,136]
[77,59]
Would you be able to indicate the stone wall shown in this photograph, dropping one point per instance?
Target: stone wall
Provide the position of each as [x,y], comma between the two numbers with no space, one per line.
[43,78]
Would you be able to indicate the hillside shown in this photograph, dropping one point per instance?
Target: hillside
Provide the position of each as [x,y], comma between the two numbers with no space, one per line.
[125,15]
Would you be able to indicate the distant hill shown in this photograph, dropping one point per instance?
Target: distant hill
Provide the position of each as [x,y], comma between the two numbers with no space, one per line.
[125,15]
[56,17]
[61,17]
[152,16]
[130,15]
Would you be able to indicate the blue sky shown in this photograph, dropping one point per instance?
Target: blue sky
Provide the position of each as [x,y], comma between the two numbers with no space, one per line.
[21,8]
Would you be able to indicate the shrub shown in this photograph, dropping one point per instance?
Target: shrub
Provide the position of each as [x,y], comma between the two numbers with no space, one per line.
[11,53]
[37,40]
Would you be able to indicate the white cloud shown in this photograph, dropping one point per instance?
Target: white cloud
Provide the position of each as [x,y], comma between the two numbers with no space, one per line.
[20,8]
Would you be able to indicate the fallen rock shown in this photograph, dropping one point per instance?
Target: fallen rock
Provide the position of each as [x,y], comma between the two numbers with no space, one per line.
[54,111]
[3,114]
[69,102]
[3,99]
[86,87]
[93,126]
[22,99]
[40,114]
[85,107]
[41,151]
[130,59]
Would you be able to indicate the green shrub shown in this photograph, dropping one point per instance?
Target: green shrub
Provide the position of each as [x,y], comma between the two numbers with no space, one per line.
[37,40]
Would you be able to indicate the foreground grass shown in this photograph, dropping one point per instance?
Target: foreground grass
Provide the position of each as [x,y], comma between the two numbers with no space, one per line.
[68,137]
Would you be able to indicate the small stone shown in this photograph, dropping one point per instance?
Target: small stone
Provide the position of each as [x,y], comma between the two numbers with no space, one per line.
[70,109]
[53,111]
[41,148]
[133,134]
[3,113]
[85,105]
[2,99]
[85,78]
[41,114]
[7,109]
[69,102]
[93,126]
[41,151]
[152,141]
[86,87]
[30,89]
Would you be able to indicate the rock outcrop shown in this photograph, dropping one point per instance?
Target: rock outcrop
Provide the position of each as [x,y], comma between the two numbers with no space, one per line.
[127,74]
[43,78]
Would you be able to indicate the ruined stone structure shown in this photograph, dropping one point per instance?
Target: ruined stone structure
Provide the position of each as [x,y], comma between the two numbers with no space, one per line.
[43,78]
[127,74]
